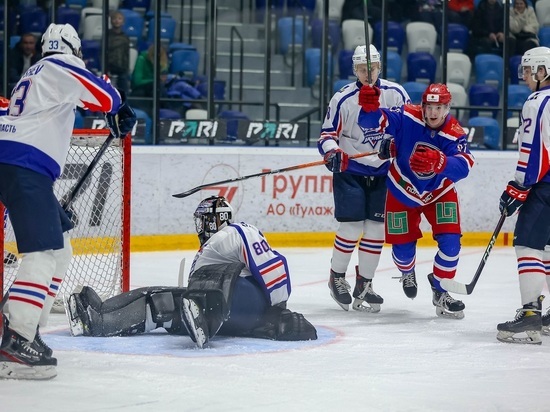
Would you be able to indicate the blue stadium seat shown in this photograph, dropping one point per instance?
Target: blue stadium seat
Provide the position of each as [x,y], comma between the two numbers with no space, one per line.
[33,20]
[415,91]
[76,4]
[232,117]
[458,37]
[396,36]
[338,84]
[394,66]
[544,36]
[141,6]
[167,29]
[489,69]
[313,65]
[345,64]
[483,95]
[334,33]
[284,30]
[491,137]
[421,66]
[514,63]
[180,46]
[78,120]
[68,15]
[142,114]
[219,89]
[91,54]
[517,95]
[169,114]
[14,40]
[133,25]
[186,61]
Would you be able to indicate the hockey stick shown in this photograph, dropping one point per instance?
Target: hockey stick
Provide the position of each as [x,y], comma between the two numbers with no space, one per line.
[74,193]
[269,172]
[367,41]
[452,285]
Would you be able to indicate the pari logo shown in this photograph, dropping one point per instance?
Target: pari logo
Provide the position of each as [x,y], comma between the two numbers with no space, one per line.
[268,130]
[233,192]
[193,128]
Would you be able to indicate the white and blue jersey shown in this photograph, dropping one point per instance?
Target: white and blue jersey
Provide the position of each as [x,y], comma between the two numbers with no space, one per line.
[534,140]
[241,242]
[36,132]
[341,129]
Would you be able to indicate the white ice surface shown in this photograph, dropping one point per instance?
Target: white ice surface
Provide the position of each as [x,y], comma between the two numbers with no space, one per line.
[401,359]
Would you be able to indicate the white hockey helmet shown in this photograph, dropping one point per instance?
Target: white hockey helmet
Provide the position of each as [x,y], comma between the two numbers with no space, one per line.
[61,38]
[534,58]
[360,56]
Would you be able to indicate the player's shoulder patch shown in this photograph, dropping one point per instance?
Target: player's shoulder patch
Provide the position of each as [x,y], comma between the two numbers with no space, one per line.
[413,110]
[453,129]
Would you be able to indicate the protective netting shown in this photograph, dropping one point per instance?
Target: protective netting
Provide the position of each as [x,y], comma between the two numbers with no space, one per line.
[97,213]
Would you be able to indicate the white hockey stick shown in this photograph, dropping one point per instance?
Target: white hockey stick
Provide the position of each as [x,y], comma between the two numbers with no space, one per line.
[452,285]
[181,273]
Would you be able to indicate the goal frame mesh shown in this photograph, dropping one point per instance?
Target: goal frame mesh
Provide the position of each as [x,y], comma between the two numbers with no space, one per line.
[118,245]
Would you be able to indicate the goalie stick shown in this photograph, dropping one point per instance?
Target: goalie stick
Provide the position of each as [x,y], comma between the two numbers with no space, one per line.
[452,285]
[269,172]
[367,41]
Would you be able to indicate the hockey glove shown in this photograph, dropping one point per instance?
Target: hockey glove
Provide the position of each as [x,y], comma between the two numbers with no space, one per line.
[369,98]
[336,160]
[427,160]
[121,123]
[513,197]
[387,148]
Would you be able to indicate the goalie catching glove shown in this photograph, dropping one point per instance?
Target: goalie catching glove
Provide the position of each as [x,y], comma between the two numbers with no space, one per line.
[513,197]
[427,160]
[121,123]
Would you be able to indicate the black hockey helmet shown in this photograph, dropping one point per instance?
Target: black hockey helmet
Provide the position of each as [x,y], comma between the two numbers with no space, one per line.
[212,214]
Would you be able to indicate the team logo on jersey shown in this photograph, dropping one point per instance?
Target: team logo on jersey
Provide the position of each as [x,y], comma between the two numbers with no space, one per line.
[371,136]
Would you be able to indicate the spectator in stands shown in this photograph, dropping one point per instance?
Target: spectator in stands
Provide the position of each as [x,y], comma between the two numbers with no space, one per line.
[488,29]
[22,56]
[143,75]
[118,57]
[461,11]
[429,11]
[524,26]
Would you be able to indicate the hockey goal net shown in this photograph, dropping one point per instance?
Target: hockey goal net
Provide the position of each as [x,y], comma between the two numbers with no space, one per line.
[100,213]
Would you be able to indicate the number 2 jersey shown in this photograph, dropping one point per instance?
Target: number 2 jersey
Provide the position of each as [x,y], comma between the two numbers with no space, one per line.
[340,127]
[36,132]
[241,242]
[534,140]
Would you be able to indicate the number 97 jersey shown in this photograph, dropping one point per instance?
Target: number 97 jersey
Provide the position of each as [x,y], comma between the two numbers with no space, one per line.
[241,242]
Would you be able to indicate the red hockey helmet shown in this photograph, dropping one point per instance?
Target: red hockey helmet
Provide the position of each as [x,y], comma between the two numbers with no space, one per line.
[437,93]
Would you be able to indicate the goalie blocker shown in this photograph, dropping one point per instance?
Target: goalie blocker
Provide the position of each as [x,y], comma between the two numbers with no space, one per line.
[217,301]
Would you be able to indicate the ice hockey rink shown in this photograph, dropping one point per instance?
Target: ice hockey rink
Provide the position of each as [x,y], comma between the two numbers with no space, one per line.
[401,359]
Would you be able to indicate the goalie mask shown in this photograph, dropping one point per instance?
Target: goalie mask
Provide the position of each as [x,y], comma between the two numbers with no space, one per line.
[360,63]
[212,215]
[61,38]
[436,103]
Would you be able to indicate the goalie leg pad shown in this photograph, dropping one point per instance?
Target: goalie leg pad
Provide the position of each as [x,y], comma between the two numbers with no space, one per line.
[212,303]
[284,325]
[162,307]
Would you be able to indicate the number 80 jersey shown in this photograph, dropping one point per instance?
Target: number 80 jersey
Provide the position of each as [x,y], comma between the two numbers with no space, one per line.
[241,242]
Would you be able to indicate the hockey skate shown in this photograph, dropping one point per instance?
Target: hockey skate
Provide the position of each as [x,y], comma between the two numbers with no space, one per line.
[195,322]
[339,289]
[528,321]
[37,343]
[20,360]
[445,305]
[10,259]
[79,320]
[363,293]
[410,287]
[546,323]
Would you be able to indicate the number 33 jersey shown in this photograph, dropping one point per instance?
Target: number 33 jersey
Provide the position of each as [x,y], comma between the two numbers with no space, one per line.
[36,132]
[241,242]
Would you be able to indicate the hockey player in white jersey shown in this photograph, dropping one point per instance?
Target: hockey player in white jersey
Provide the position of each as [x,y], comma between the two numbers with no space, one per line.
[530,191]
[359,185]
[238,286]
[34,142]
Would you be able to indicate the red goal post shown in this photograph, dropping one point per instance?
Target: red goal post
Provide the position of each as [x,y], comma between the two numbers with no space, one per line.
[101,214]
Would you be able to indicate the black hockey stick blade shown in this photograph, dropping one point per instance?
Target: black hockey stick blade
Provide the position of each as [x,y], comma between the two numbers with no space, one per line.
[452,285]
[269,172]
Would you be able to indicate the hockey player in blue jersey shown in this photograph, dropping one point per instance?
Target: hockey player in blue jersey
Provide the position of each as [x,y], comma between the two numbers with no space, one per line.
[34,142]
[430,155]
[238,286]
[359,185]
[530,190]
